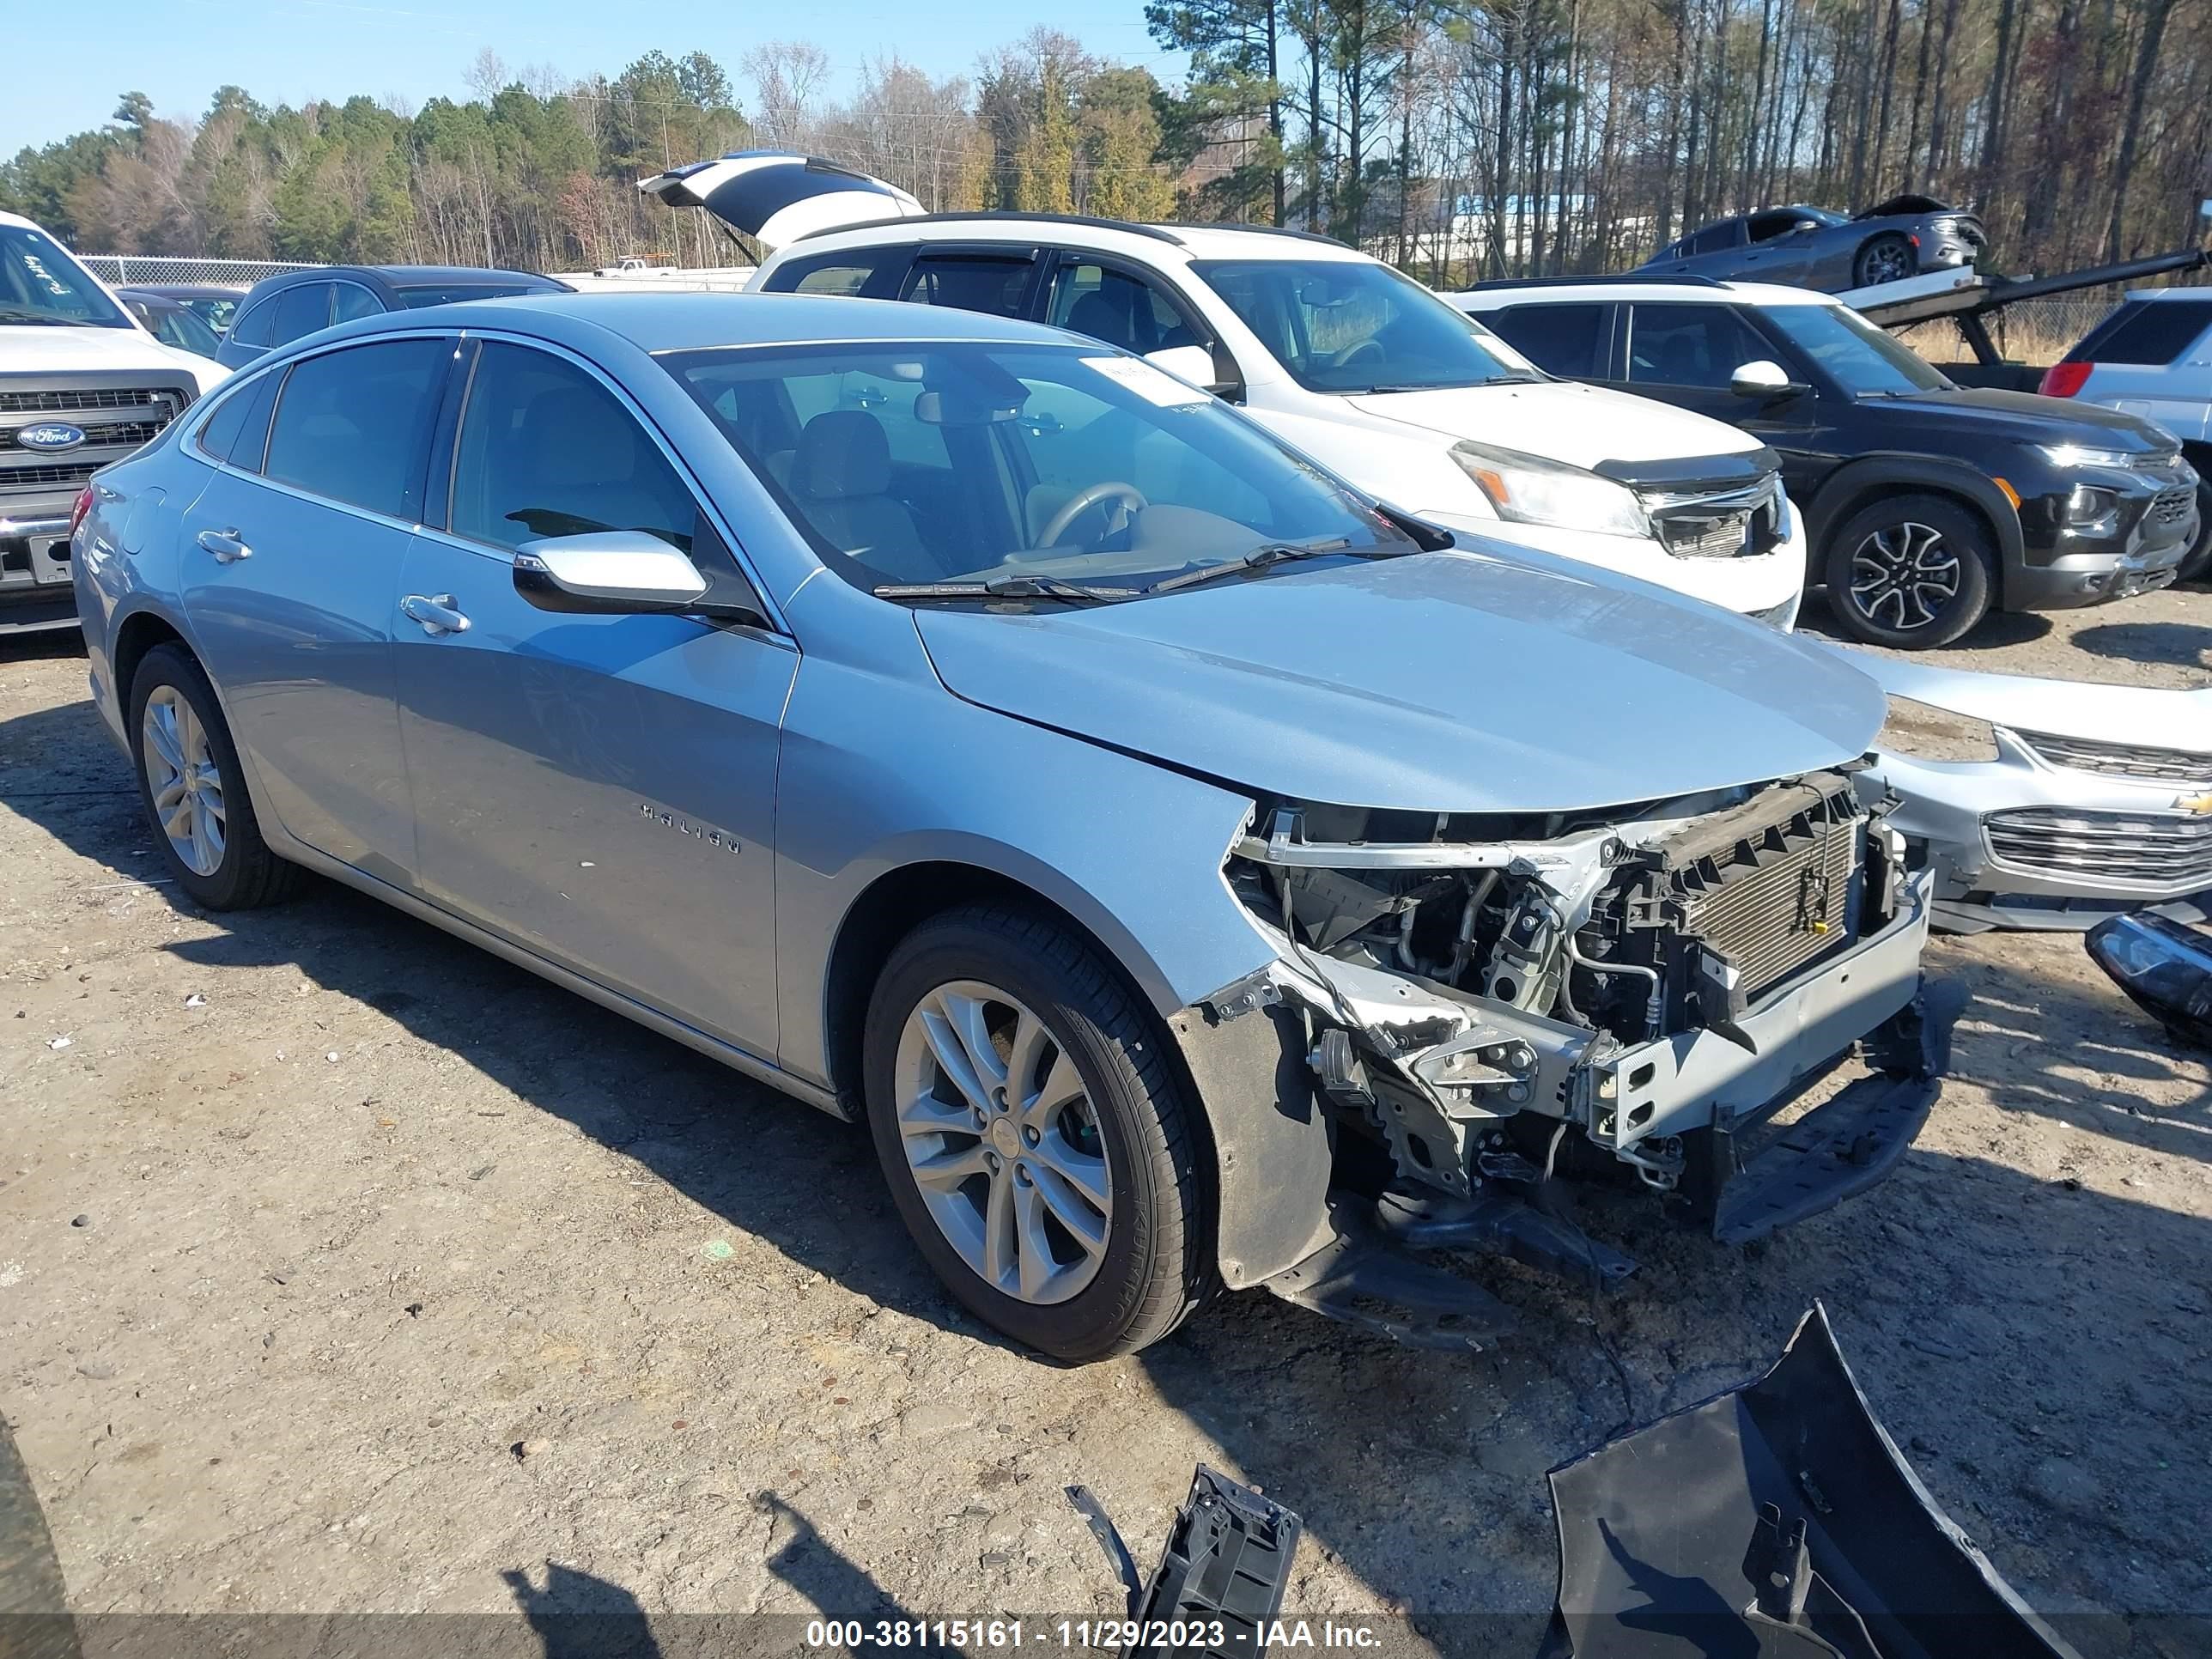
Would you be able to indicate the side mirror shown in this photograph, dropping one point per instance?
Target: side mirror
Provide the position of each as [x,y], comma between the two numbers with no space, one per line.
[613,572]
[1194,363]
[1804,225]
[1763,378]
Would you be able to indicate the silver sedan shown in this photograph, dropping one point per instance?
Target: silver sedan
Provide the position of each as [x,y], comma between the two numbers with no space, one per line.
[1193,871]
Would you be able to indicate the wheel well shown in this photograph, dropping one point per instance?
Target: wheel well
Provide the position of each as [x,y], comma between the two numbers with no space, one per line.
[893,907]
[138,634]
[2198,455]
[1867,495]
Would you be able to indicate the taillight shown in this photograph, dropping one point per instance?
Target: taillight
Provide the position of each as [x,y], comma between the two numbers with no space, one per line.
[2064,380]
[76,514]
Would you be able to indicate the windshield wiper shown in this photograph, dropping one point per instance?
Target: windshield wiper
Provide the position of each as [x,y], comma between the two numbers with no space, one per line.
[1009,588]
[24,314]
[1260,558]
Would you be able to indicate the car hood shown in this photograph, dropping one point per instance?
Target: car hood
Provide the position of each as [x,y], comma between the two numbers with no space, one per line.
[1456,682]
[2031,417]
[1581,425]
[43,349]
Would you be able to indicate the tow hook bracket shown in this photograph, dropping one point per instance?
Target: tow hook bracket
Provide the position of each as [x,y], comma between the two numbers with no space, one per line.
[1228,1559]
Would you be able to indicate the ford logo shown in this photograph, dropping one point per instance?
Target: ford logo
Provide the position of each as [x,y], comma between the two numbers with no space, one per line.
[53,436]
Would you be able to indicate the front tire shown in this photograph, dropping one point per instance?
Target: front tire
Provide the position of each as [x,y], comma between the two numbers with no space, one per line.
[193,789]
[1888,258]
[1034,1139]
[1910,572]
[2197,563]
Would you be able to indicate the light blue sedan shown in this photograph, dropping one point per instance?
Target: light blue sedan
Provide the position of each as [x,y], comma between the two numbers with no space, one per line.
[1194,872]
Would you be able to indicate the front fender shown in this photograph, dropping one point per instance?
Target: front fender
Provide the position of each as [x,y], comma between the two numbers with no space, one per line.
[1889,471]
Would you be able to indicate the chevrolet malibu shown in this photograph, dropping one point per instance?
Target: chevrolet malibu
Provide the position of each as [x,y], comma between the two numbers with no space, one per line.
[1193,872]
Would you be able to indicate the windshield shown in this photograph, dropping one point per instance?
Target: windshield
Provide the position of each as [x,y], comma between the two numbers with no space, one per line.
[1351,326]
[183,328]
[215,313]
[41,283]
[968,462]
[1852,352]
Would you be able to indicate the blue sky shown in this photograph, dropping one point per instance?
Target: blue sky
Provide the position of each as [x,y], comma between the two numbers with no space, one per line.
[178,51]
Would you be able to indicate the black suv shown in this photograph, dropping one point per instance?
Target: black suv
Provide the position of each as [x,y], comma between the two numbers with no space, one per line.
[282,308]
[1927,505]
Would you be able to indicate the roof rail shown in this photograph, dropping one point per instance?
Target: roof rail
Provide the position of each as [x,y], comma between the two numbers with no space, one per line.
[1265,230]
[998,215]
[1637,276]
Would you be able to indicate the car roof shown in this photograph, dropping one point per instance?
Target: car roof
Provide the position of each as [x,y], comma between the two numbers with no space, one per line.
[183,290]
[1757,294]
[1152,244]
[691,321]
[2199,292]
[403,276]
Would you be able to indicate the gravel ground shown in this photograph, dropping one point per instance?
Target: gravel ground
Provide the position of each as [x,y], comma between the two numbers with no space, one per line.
[344,1268]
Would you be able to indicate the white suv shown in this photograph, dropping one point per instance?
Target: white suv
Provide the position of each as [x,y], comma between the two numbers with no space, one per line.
[1336,353]
[2153,357]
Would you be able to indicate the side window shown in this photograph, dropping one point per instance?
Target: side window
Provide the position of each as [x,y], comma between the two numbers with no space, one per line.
[545,450]
[1717,238]
[970,282]
[354,300]
[1569,341]
[238,431]
[1116,307]
[353,425]
[846,274]
[253,328]
[301,310]
[1690,345]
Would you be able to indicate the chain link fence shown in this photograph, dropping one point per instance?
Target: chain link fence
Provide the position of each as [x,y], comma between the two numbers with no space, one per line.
[125,270]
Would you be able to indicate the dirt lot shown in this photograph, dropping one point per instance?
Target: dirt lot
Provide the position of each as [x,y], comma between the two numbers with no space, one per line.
[345,1268]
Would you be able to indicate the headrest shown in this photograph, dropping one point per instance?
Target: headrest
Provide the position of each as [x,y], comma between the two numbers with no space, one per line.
[842,453]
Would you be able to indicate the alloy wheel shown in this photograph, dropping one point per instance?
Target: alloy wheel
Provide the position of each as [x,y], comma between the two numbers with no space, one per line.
[1903,576]
[1888,262]
[184,780]
[1002,1139]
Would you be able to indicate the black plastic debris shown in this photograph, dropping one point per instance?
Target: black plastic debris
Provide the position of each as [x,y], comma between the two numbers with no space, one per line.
[1777,1520]
[1222,1573]
[2162,958]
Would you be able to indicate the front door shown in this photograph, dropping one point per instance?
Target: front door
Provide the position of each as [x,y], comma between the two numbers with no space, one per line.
[291,561]
[1685,353]
[599,789]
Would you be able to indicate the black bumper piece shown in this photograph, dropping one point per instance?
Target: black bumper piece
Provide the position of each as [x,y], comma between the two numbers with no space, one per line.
[1779,1519]
[1220,1582]
[1841,1147]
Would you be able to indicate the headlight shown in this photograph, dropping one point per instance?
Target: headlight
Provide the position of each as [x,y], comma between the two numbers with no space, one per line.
[1529,490]
[2086,506]
[2069,456]
[1927,732]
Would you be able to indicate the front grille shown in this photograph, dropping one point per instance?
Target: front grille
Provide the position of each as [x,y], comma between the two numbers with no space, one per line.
[2121,760]
[130,433]
[2171,506]
[1782,900]
[47,477]
[1734,525]
[2158,850]
[64,400]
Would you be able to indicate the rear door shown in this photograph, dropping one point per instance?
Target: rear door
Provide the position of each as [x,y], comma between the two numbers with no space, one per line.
[1572,339]
[291,560]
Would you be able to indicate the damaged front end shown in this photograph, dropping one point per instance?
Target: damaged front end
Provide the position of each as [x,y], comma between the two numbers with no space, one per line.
[1635,993]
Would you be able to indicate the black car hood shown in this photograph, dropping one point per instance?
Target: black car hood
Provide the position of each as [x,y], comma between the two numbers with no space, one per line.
[2029,417]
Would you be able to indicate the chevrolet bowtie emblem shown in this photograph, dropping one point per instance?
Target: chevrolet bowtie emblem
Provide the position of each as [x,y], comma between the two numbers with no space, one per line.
[2200,805]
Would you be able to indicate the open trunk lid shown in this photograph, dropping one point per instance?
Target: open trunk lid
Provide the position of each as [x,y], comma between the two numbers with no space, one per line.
[775,197]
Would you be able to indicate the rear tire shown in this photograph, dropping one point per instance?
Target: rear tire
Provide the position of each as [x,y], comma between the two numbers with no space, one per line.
[1888,258]
[1910,572]
[989,1163]
[193,789]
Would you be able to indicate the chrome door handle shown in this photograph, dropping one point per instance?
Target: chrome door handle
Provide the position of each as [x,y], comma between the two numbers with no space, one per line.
[225,545]
[435,613]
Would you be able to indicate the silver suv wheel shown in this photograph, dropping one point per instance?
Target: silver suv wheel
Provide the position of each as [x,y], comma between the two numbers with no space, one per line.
[1002,1140]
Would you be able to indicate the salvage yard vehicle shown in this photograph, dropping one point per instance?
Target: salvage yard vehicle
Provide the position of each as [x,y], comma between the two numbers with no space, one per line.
[1928,505]
[1905,236]
[1185,880]
[279,309]
[1333,352]
[81,383]
[2046,803]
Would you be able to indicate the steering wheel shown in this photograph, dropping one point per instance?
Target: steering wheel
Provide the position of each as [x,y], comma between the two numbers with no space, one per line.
[1082,500]
[1359,354]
